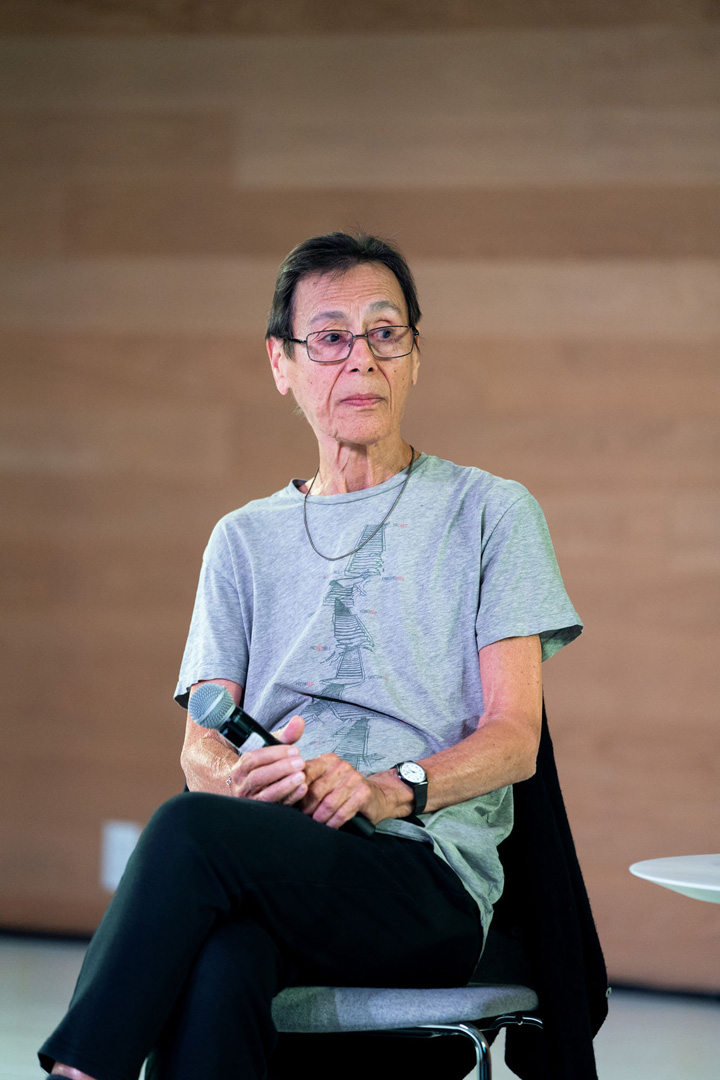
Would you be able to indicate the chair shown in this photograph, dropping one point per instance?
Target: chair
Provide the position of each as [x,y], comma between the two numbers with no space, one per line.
[543,920]
[469,1010]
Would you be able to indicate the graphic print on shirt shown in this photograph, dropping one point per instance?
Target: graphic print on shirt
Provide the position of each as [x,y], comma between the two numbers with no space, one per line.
[352,640]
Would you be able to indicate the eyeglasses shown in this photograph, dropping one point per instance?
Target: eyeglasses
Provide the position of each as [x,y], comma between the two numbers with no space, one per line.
[384,342]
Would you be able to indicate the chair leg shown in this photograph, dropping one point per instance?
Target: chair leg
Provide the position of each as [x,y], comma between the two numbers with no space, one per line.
[483,1065]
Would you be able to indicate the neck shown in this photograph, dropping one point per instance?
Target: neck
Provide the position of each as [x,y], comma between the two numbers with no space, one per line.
[346,468]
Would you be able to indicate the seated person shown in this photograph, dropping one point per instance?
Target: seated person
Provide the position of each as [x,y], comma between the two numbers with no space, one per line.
[387,620]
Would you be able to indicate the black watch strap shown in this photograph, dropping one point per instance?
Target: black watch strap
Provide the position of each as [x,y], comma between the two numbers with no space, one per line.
[415,777]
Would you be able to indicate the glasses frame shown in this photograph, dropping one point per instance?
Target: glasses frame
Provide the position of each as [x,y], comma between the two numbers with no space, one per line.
[354,337]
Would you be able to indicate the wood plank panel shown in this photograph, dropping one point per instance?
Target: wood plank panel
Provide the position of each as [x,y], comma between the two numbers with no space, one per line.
[572,453]
[32,218]
[670,530]
[637,673]
[111,698]
[181,218]
[216,296]
[555,183]
[614,675]
[607,299]
[665,808]
[76,144]
[480,376]
[91,572]
[597,379]
[444,145]
[626,819]
[152,440]
[650,596]
[372,75]
[557,452]
[611,299]
[71,506]
[325,16]
[84,370]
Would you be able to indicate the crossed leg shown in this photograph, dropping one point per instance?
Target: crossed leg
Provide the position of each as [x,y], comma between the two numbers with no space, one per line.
[231,892]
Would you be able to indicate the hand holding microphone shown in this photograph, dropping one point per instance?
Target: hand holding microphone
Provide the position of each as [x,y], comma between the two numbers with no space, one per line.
[212,706]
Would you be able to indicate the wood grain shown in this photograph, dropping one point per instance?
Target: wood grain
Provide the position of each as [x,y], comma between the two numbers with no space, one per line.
[195,218]
[372,75]
[578,299]
[64,145]
[552,172]
[324,16]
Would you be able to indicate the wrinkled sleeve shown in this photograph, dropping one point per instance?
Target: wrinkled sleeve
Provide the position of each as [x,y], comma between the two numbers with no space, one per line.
[218,642]
[521,588]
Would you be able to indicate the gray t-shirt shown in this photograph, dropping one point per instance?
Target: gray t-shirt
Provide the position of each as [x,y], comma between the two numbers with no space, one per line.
[378,651]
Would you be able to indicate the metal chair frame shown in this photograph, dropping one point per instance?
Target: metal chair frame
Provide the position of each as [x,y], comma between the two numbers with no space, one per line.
[470,1029]
[483,1061]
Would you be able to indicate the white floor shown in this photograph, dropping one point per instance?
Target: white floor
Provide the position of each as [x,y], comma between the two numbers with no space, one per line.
[646,1037]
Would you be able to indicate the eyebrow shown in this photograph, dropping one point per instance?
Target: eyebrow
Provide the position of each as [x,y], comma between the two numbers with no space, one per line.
[379,305]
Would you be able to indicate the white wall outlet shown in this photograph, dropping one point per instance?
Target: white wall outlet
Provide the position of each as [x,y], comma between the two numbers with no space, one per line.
[118,841]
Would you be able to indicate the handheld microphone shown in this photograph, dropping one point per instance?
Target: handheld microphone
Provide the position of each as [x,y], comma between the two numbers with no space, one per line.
[212,706]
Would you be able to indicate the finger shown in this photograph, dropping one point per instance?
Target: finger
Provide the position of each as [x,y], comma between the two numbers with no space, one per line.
[288,790]
[361,799]
[292,731]
[350,790]
[265,755]
[255,781]
[352,806]
[295,797]
[336,775]
[315,768]
[342,814]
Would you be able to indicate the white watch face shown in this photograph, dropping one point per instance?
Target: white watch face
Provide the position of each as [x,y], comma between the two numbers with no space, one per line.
[413,772]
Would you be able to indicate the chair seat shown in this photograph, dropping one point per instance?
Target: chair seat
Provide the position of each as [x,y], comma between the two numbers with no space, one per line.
[308,1009]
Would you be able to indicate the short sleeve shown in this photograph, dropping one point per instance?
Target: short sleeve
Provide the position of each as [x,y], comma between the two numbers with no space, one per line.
[521,588]
[218,642]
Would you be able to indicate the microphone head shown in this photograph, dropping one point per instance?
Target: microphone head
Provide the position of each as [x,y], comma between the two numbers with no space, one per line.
[211,705]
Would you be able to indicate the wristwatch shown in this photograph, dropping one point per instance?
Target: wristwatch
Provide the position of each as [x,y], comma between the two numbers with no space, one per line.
[415,777]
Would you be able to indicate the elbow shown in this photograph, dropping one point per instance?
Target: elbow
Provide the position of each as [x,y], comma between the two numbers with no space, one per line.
[527,768]
[527,759]
[186,764]
[531,748]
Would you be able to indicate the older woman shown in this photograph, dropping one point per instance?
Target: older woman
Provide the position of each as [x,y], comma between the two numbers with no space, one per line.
[387,619]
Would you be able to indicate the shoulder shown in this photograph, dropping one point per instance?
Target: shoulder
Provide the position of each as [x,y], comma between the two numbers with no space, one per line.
[484,493]
[237,528]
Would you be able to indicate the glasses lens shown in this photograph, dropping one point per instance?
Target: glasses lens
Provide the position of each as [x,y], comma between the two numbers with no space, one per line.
[389,341]
[386,342]
[329,346]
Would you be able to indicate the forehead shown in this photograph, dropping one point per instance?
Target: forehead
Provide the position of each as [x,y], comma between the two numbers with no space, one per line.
[358,292]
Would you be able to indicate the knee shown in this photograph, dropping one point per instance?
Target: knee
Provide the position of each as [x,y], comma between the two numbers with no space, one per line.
[184,819]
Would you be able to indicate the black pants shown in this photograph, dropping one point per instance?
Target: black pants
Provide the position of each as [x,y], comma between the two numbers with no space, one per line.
[226,901]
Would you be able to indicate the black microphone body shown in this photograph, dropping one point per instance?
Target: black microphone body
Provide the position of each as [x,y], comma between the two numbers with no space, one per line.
[239,725]
[212,706]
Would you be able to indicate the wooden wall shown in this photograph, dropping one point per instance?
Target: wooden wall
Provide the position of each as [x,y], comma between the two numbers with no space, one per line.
[552,170]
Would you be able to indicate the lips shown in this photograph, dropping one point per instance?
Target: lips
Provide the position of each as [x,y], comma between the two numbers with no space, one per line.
[362,399]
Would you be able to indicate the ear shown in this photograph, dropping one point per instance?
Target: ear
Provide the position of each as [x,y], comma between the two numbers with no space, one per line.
[278,362]
[415,363]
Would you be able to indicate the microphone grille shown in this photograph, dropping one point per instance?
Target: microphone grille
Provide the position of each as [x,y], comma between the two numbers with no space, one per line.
[210,705]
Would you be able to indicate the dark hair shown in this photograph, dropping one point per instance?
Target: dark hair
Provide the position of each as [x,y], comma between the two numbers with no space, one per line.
[336,253]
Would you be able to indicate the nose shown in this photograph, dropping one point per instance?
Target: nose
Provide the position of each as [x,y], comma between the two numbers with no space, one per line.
[361,357]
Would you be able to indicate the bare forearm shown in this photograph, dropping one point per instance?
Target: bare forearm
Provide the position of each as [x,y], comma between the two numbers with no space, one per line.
[271,773]
[500,752]
[206,763]
[503,748]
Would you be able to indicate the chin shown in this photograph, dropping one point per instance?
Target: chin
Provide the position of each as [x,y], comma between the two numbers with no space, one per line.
[362,436]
